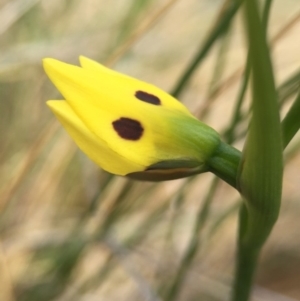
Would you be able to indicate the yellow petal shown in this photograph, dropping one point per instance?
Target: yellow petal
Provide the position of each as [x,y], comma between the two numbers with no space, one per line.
[94,66]
[94,147]
[136,120]
[104,78]
[100,101]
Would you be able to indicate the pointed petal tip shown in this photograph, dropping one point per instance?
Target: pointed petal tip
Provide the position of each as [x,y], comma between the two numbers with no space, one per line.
[83,59]
[51,103]
[90,64]
[54,64]
[50,64]
[54,104]
[48,61]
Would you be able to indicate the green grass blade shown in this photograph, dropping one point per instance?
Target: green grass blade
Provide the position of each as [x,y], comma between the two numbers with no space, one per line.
[217,31]
[260,174]
[261,168]
[291,123]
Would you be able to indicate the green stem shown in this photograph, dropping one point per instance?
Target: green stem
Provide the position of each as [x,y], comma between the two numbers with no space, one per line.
[245,269]
[224,163]
[246,261]
[260,171]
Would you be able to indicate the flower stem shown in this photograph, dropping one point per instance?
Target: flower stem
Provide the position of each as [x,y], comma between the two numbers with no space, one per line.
[246,263]
[224,163]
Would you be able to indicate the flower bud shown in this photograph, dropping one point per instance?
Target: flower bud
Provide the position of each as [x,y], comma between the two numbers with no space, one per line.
[126,126]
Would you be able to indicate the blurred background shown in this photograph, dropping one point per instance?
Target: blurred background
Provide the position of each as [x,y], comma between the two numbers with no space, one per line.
[70,231]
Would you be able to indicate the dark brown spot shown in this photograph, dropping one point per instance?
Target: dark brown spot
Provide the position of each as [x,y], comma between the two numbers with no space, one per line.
[129,129]
[146,97]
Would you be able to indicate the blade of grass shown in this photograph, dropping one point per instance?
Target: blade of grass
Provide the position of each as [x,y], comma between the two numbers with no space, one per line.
[228,11]
[261,168]
[218,72]
[289,87]
[220,62]
[235,75]
[291,123]
[241,97]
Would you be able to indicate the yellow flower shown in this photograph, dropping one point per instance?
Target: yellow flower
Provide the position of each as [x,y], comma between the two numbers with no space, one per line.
[126,126]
